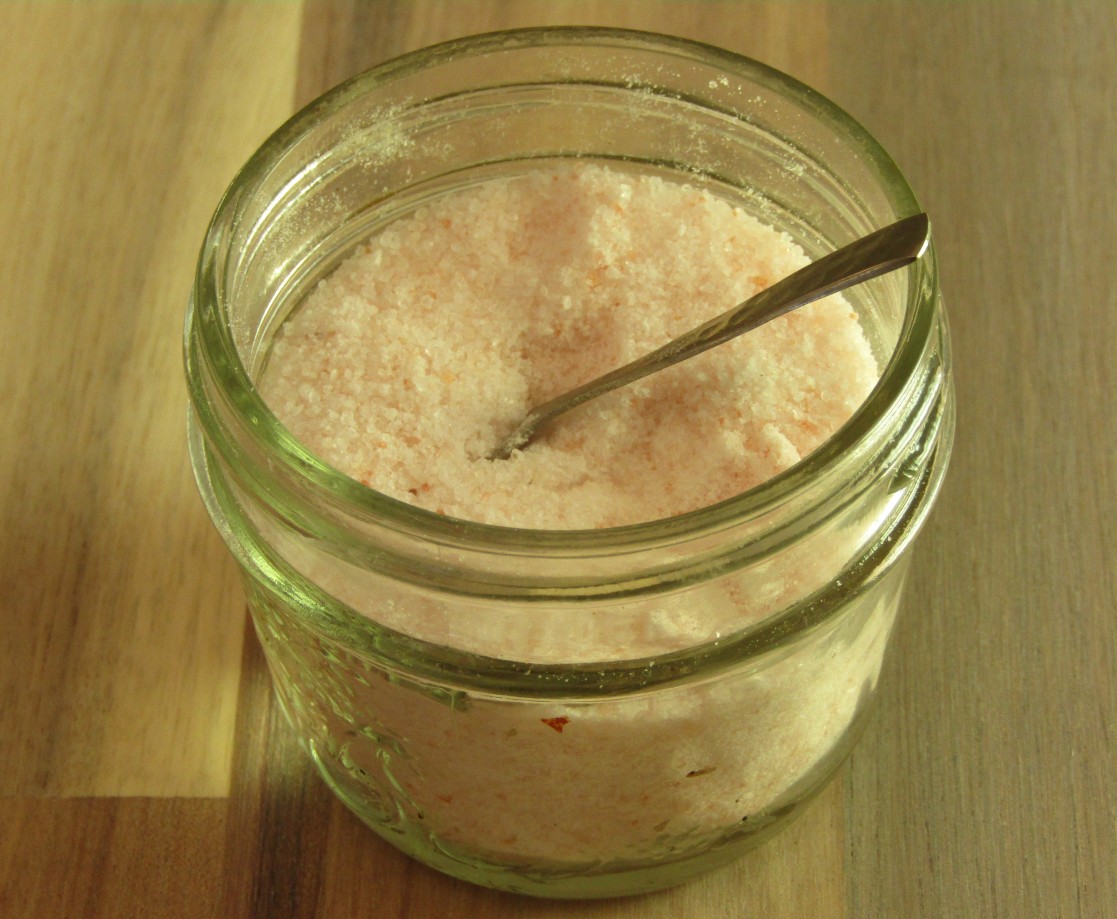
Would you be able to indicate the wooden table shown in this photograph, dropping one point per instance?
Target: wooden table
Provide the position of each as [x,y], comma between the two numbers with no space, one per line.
[144,770]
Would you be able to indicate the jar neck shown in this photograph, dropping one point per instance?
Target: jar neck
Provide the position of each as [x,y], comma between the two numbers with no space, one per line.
[894,448]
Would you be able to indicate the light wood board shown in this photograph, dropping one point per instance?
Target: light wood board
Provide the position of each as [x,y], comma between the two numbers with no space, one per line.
[146,772]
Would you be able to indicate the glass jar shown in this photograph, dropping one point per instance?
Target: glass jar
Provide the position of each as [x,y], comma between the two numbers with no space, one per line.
[442,674]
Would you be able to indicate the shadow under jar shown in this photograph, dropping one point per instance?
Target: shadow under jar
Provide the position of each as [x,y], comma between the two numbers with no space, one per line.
[405,646]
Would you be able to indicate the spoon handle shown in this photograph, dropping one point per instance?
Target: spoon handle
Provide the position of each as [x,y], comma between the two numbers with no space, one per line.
[870,256]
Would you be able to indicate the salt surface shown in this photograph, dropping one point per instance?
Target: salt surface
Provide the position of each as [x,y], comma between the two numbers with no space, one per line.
[409,363]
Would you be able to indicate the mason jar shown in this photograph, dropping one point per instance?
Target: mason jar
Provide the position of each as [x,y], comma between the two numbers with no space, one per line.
[445,676]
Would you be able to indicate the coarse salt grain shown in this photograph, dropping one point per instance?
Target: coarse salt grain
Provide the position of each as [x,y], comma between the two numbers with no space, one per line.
[410,362]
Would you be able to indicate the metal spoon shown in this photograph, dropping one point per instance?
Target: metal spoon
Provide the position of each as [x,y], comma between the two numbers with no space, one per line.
[871,256]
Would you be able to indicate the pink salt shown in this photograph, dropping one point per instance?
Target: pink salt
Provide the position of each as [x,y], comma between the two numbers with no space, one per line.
[420,353]
[410,362]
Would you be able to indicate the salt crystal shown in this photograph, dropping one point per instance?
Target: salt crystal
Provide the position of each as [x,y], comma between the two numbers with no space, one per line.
[469,282]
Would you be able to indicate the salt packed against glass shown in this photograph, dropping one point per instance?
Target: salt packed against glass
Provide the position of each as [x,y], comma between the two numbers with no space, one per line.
[412,359]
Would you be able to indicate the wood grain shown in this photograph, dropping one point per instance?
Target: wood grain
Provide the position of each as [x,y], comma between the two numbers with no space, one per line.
[129,858]
[123,123]
[343,37]
[146,768]
[988,787]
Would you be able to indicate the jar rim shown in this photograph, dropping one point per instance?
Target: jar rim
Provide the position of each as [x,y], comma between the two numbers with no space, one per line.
[225,363]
